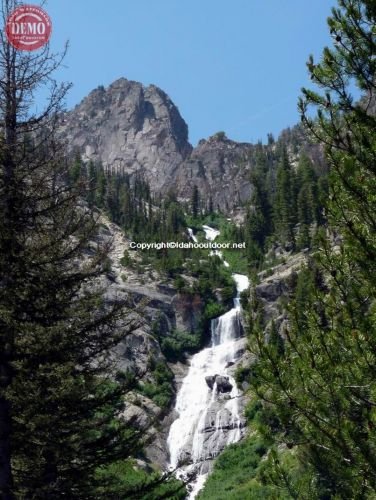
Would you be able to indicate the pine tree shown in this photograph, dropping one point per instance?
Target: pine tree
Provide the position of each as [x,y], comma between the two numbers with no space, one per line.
[210,205]
[101,187]
[195,202]
[92,184]
[284,209]
[322,390]
[59,400]
[259,221]
[15,189]
[308,202]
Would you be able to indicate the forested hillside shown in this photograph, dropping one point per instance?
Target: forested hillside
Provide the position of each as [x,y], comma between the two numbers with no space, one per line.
[289,186]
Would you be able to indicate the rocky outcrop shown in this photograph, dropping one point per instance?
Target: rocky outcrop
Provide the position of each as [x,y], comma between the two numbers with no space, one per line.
[215,430]
[277,282]
[154,302]
[129,128]
[188,309]
[220,169]
[137,130]
[220,382]
[223,384]
[210,380]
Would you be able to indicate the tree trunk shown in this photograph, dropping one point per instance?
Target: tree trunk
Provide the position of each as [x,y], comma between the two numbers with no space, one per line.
[5,467]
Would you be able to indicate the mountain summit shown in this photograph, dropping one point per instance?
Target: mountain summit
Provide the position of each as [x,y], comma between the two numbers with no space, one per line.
[138,130]
[129,128]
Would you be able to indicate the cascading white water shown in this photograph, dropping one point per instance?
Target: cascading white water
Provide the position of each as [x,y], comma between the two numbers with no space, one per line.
[208,400]
[191,235]
[210,233]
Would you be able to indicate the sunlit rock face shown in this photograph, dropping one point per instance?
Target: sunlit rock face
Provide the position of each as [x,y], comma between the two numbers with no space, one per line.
[138,130]
[129,128]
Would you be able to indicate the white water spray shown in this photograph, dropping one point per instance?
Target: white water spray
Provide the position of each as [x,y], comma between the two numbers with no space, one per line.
[208,400]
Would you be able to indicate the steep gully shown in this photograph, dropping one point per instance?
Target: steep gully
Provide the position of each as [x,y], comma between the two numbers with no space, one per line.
[207,404]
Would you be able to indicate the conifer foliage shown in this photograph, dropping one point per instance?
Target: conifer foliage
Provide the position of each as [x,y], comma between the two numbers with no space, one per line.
[321,388]
[285,208]
[59,425]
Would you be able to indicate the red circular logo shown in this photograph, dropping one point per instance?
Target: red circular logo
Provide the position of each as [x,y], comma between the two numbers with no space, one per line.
[28,27]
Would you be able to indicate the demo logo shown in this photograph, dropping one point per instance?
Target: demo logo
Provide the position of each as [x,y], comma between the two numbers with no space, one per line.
[28,27]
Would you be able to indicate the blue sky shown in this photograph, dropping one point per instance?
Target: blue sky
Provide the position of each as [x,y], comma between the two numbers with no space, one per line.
[235,66]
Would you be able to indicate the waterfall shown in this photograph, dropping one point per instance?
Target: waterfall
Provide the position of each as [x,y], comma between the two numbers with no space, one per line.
[207,403]
[191,235]
[210,233]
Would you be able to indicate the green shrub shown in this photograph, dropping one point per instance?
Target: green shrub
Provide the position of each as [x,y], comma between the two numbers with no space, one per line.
[242,374]
[180,283]
[213,310]
[178,343]
[160,391]
[126,260]
[236,473]
[124,479]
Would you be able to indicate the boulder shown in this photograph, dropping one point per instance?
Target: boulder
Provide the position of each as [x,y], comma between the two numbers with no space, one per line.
[210,380]
[223,384]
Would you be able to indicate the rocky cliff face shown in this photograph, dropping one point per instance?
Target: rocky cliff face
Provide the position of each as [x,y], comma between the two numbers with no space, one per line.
[138,130]
[149,299]
[278,282]
[274,289]
[220,169]
[129,128]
